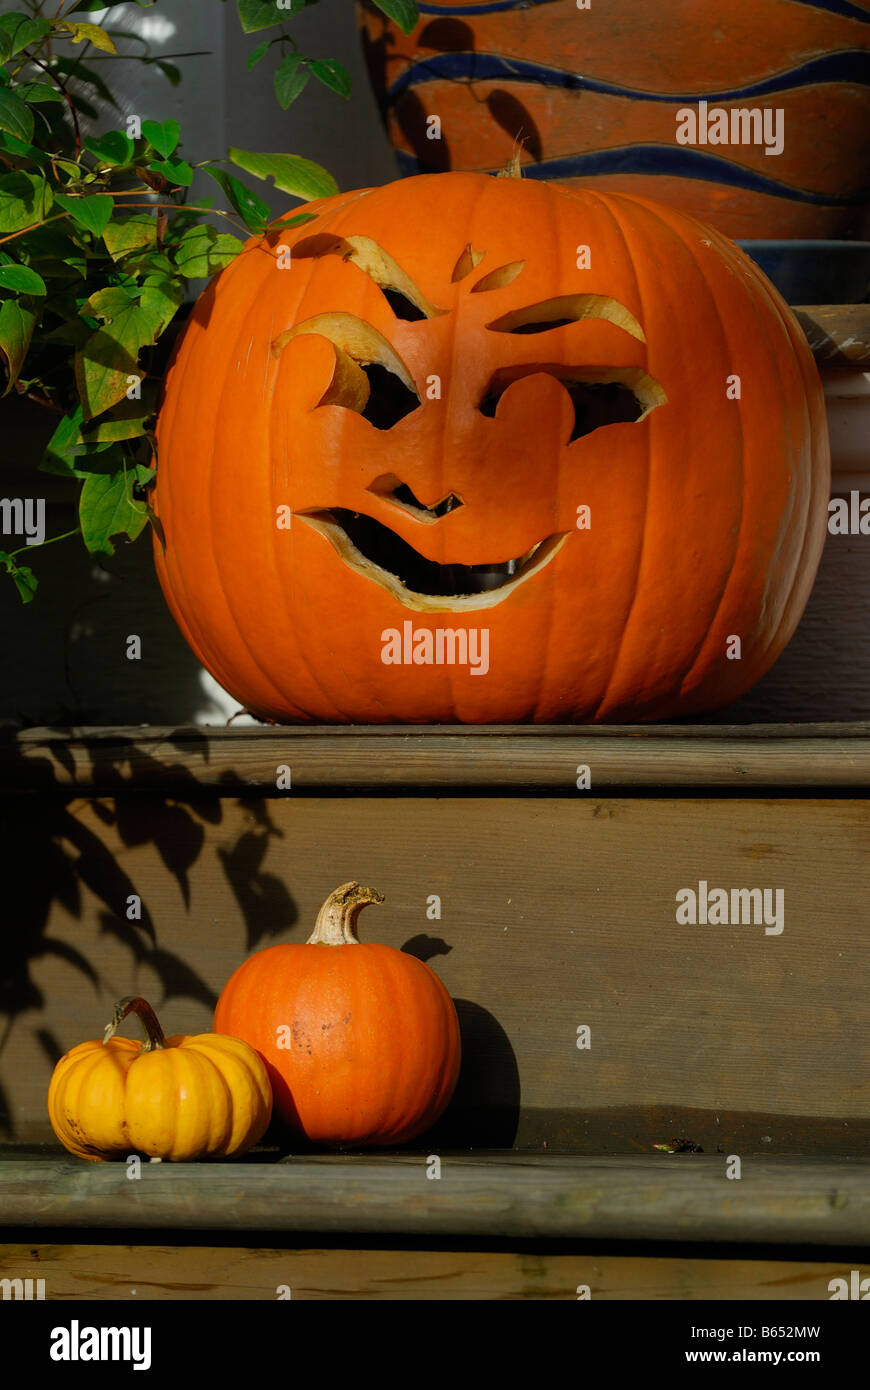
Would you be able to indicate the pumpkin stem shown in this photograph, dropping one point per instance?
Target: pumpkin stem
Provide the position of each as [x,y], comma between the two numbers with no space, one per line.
[336,920]
[513,168]
[154,1036]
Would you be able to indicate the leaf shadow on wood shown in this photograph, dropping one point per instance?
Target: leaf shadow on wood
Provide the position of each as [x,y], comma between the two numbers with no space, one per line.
[52,854]
[267,906]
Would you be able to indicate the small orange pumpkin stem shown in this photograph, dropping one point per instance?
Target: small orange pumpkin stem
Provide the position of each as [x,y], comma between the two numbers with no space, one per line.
[336,920]
[154,1035]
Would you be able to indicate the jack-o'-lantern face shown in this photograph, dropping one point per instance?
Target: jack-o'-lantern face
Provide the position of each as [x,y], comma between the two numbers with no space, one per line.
[405,418]
[585,425]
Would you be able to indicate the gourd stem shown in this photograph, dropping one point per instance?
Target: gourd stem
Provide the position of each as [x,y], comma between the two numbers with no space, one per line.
[336,920]
[154,1036]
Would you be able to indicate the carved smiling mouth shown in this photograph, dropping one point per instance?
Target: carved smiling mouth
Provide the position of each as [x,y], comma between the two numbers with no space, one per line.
[373,550]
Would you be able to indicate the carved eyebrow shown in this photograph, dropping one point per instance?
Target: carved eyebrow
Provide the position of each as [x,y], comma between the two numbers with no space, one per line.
[375,262]
[353,336]
[564,309]
[497,279]
[369,376]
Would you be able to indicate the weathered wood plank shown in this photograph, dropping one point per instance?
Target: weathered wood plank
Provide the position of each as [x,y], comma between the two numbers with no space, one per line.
[144,1273]
[540,758]
[554,915]
[673,1198]
[838,334]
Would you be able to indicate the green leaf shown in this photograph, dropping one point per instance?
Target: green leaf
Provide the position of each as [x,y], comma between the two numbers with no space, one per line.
[54,249]
[38,91]
[63,269]
[110,357]
[169,70]
[11,145]
[74,333]
[127,421]
[64,445]
[17,321]
[15,116]
[107,509]
[147,263]
[333,75]
[113,148]
[163,135]
[202,251]
[90,33]
[130,234]
[402,12]
[298,219]
[23,30]
[162,298]
[290,79]
[253,211]
[23,577]
[22,279]
[69,167]
[291,173]
[107,303]
[259,52]
[92,212]
[25,199]
[175,170]
[259,14]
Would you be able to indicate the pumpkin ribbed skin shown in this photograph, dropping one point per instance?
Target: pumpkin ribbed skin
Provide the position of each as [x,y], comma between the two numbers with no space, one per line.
[708,514]
[194,1097]
[372,1044]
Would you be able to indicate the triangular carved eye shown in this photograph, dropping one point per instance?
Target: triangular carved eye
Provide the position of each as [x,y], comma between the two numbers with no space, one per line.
[402,306]
[467,262]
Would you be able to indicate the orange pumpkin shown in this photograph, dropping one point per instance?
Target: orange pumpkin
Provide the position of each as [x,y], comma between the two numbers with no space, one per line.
[361,1041]
[490,450]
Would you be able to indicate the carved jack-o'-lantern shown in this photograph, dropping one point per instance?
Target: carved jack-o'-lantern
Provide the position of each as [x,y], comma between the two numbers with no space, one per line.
[486,449]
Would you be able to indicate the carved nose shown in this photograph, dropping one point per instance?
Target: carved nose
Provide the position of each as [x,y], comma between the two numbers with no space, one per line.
[394,490]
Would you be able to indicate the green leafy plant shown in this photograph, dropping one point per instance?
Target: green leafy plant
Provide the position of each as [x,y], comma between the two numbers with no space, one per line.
[295,68]
[98,246]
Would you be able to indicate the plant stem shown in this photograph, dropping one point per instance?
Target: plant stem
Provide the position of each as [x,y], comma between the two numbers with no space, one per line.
[37,62]
[43,400]
[46,222]
[24,549]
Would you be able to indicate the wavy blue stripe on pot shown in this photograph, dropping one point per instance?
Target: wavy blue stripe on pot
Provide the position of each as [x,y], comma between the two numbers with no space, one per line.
[680,163]
[850,65]
[840,7]
[487,9]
